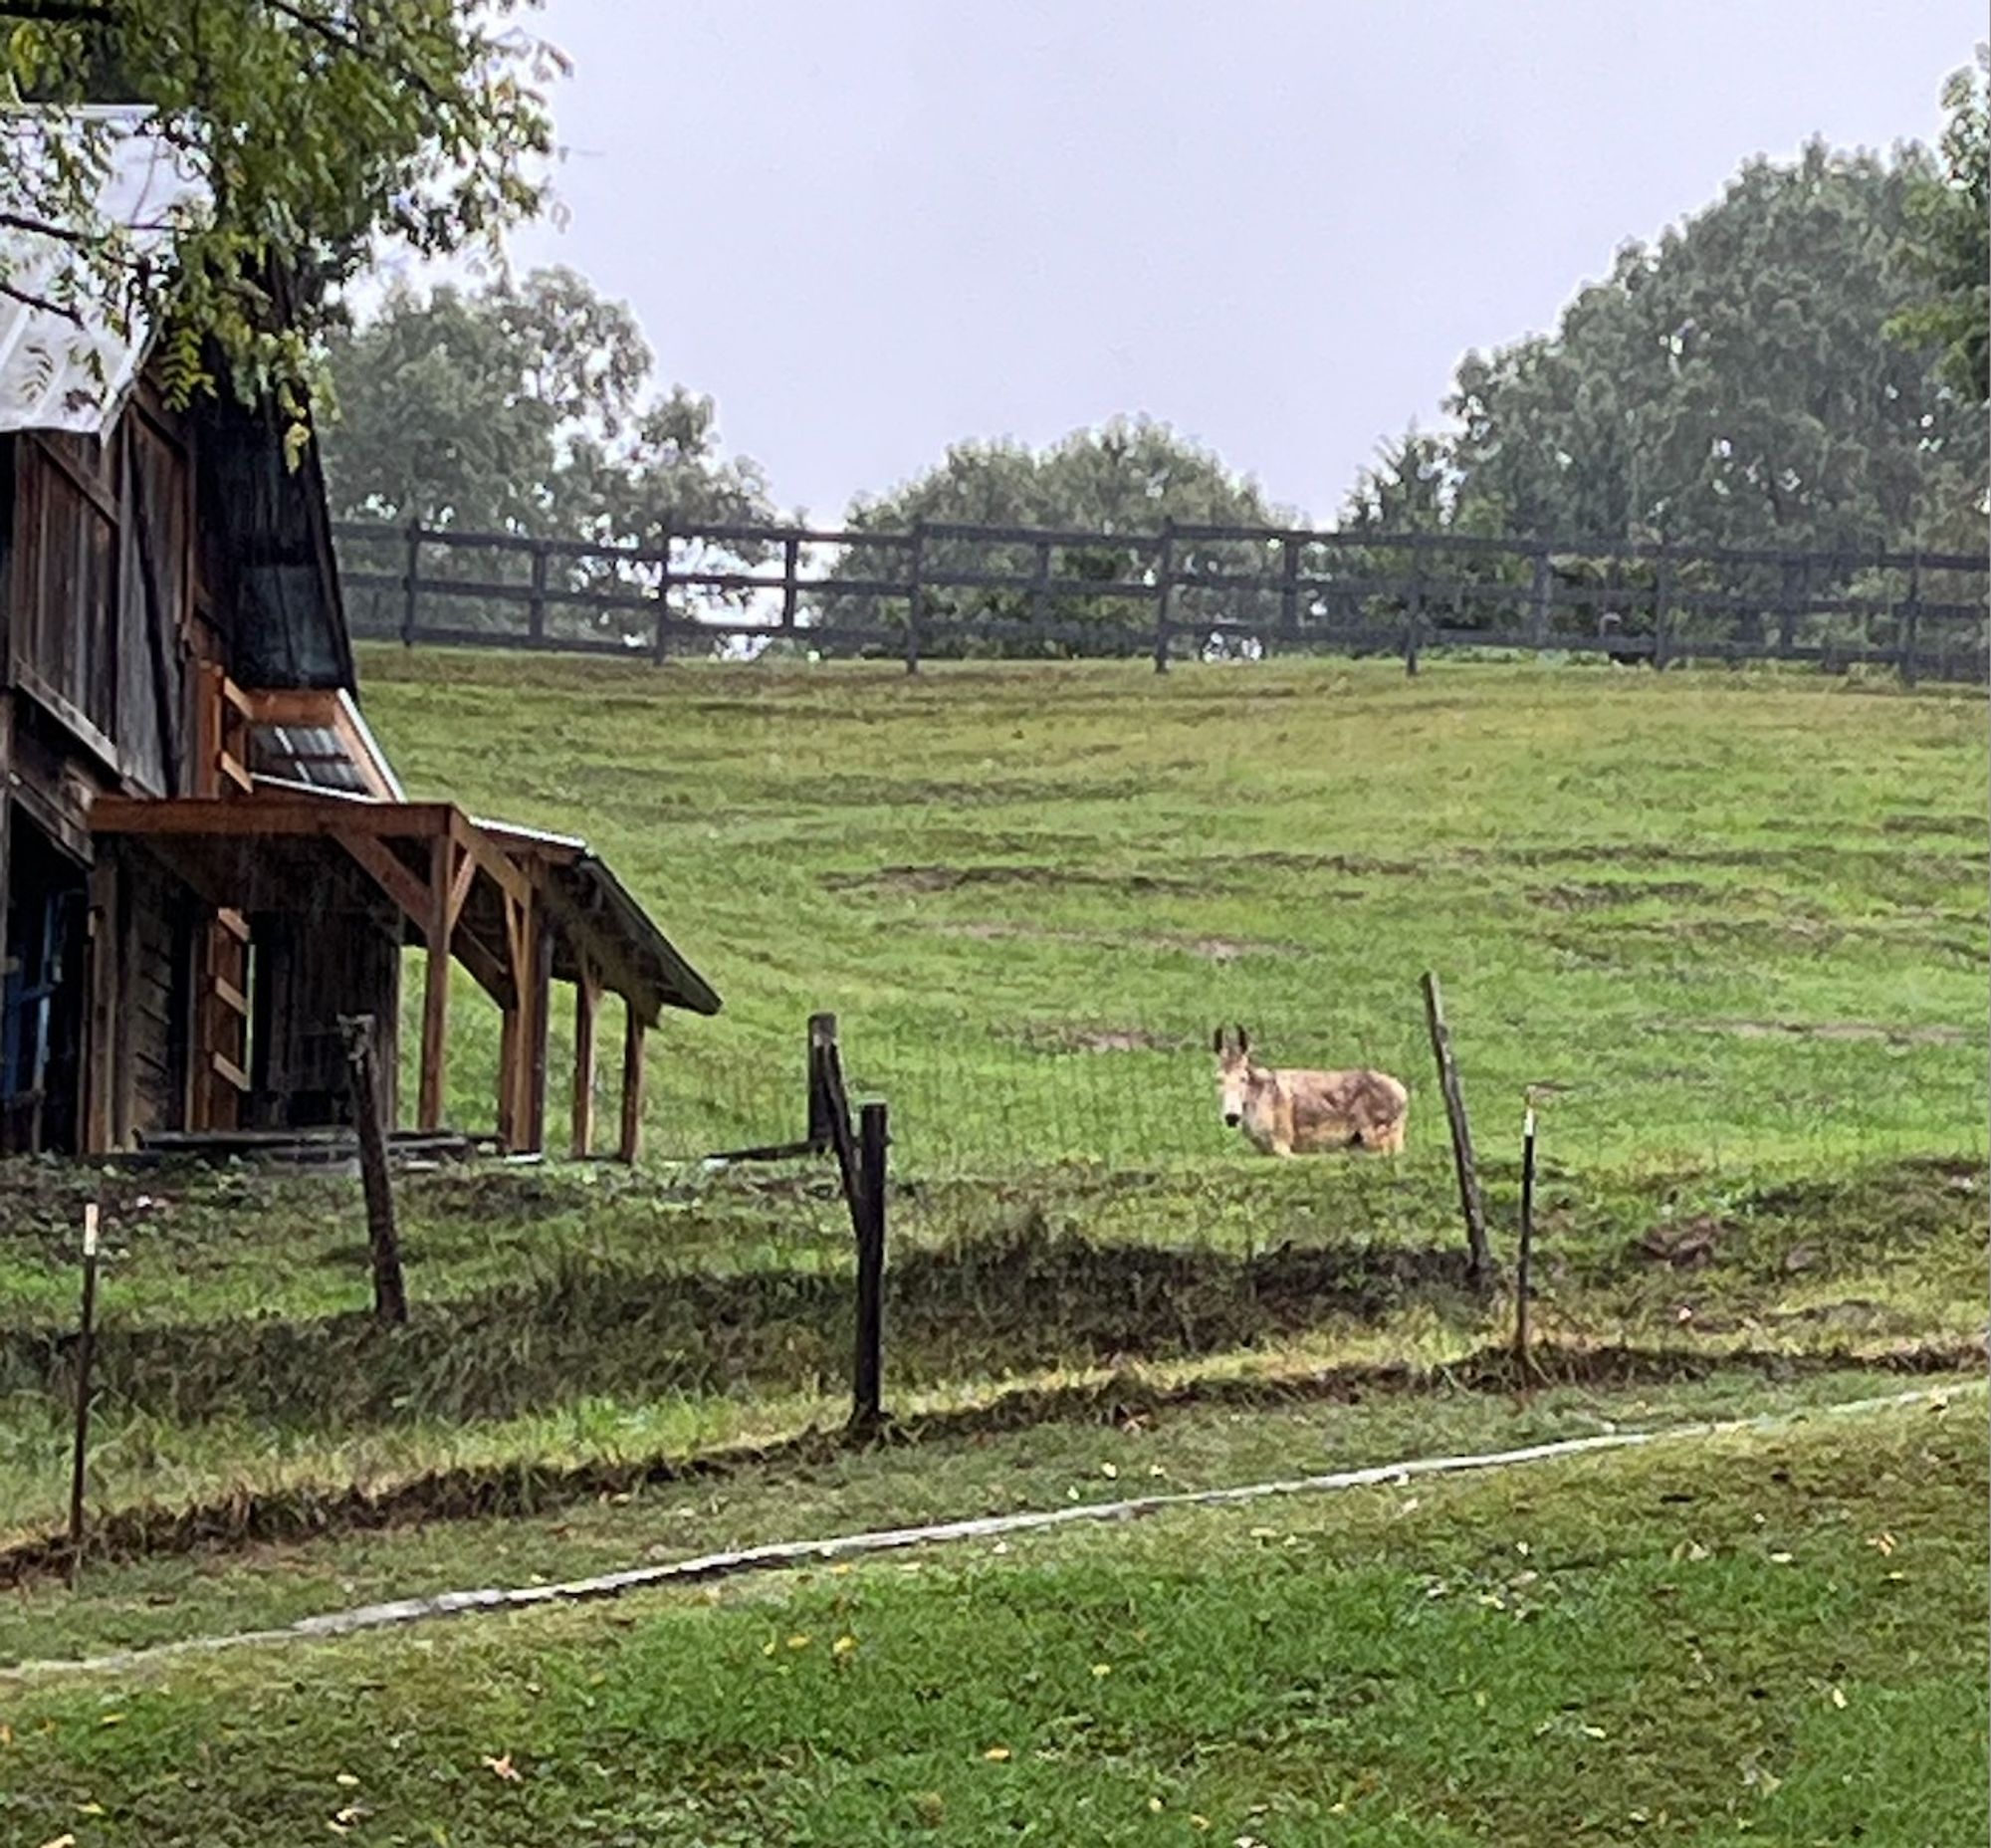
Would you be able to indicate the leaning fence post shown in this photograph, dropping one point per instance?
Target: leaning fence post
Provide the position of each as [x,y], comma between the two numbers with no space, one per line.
[384,1242]
[868,1368]
[86,1343]
[1470,1205]
[1523,1356]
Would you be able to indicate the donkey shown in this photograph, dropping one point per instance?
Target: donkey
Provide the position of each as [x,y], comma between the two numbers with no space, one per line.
[1293,1113]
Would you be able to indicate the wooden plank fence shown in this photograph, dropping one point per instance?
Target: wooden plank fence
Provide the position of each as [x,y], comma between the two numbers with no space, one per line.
[938,590]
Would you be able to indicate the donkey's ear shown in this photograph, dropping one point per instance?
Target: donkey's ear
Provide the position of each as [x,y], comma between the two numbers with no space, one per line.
[1217,1040]
[1244,1041]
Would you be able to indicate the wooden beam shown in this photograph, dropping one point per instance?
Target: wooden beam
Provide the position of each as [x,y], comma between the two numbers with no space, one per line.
[435,986]
[586,1005]
[595,942]
[391,874]
[508,874]
[271,814]
[631,1143]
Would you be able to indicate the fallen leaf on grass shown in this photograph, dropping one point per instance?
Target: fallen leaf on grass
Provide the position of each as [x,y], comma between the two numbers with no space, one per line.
[60,1841]
[996,1754]
[1839,1696]
[346,1779]
[503,1768]
[843,1645]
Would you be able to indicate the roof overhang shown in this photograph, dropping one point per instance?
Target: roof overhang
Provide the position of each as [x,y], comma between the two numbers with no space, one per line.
[288,848]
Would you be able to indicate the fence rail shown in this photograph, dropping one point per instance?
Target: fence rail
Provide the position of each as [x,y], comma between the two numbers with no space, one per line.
[941,590]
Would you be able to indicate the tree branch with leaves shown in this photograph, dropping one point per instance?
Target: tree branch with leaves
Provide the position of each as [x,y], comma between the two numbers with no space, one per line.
[306,133]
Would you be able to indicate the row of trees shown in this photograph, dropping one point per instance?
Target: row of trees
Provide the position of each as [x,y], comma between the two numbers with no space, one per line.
[1802,364]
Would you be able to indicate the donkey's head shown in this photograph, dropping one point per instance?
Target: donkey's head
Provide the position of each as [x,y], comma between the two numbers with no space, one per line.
[1232,1047]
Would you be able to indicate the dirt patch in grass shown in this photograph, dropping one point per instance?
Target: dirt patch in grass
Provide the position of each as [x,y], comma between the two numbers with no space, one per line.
[1040,1037]
[904,881]
[1210,949]
[1874,1030]
[1599,896]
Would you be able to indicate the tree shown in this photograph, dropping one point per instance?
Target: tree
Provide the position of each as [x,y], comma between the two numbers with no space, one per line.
[1126,478]
[306,133]
[1730,385]
[526,408]
[1948,242]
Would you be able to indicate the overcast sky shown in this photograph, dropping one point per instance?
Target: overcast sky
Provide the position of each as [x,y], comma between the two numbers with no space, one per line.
[874,227]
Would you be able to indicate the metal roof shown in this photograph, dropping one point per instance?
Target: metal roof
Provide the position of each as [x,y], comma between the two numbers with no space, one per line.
[62,372]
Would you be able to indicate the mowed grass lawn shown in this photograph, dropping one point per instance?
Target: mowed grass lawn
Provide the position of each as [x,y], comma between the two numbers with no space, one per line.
[1725,917]
[1775,1636]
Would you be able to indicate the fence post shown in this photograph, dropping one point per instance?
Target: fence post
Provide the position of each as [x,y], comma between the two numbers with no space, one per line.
[915,596]
[410,576]
[536,617]
[1289,584]
[1538,597]
[1523,1357]
[660,644]
[821,1041]
[1041,587]
[1794,570]
[1470,1205]
[384,1242]
[86,1343]
[1165,571]
[1911,623]
[791,555]
[1663,591]
[868,1368]
[1416,619]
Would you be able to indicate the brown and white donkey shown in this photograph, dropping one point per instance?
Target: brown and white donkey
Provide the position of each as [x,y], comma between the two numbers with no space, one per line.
[1294,1112]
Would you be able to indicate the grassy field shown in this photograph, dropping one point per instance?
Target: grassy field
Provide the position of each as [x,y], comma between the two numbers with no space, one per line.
[1777,1637]
[1731,928]
[1734,918]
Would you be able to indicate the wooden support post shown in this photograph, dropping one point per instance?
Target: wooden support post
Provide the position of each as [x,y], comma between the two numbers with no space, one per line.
[661,643]
[1165,574]
[107,1070]
[432,1091]
[630,1145]
[1911,623]
[411,582]
[1290,546]
[384,1242]
[1662,596]
[85,1344]
[915,594]
[1539,594]
[1471,1207]
[792,554]
[869,1363]
[1414,621]
[1523,1356]
[1041,587]
[586,1005]
[536,613]
[821,1042]
[532,1072]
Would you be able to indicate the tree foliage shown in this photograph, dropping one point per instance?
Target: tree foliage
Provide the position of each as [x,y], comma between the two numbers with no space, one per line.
[314,132]
[524,407]
[1731,385]
[1948,241]
[1126,478]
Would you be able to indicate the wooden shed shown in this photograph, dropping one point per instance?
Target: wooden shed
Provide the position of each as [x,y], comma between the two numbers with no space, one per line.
[205,859]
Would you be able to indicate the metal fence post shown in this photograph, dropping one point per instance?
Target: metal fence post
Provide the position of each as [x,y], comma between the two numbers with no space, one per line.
[660,644]
[410,578]
[915,596]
